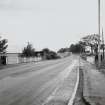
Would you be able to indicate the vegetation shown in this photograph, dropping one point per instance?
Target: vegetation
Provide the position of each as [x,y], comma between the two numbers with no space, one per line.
[3,45]
[48,54]
[77,48]
[46,51]
[89,40]
[74,48]
[28,51]
[92,41]
[62,50]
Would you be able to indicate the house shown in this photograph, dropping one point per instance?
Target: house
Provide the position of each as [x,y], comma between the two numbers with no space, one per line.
[15,58]
[12,58]
[9,58]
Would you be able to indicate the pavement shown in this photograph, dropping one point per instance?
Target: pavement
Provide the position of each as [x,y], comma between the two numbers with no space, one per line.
[93,85]
[43,83]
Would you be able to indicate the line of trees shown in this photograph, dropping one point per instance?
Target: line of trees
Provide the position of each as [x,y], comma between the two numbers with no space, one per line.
[77,48]
[29,51]
[89,40]
[74,48]
[45,53]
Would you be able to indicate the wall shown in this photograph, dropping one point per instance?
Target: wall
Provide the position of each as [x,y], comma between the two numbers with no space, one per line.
[30,59]
[13,58]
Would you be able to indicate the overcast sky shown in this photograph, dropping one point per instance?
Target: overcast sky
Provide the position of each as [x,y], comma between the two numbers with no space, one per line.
[48,23]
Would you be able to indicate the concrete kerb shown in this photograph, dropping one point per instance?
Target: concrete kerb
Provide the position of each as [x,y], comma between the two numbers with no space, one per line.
[71,101]
[79,100]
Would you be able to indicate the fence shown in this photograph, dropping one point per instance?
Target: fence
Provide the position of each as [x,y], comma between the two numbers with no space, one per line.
[29,59]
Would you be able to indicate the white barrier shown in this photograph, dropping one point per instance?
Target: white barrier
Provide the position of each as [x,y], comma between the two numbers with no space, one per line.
[29,59]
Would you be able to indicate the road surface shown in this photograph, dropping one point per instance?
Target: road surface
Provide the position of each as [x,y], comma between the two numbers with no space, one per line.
[33,83]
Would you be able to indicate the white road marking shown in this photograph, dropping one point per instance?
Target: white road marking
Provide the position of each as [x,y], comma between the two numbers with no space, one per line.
[75,90]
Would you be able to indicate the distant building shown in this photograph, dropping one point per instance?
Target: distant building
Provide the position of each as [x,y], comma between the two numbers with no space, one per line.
[15,58]
[9,58]
[12,58]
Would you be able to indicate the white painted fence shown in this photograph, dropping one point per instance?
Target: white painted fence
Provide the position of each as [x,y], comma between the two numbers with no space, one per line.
[30,59]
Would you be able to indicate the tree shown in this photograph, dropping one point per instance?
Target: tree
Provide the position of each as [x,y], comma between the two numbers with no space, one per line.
[72,48]
[48,54]
[63,50]
[83,46]
[92,41]
[3,45]
[46,50]
[28,51]
[76,48]
[52,55]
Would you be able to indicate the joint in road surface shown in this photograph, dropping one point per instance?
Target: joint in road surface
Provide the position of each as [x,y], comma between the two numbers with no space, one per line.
[63,92]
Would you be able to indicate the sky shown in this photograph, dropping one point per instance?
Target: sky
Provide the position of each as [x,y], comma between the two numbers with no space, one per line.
[52,24]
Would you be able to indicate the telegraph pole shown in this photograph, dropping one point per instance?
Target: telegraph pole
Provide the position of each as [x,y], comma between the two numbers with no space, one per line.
[103,42]
[99,44]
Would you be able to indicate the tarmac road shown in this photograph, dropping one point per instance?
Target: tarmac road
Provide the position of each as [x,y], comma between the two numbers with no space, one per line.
[31,84]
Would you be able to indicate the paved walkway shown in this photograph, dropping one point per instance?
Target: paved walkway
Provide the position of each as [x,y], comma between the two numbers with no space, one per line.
[94,84]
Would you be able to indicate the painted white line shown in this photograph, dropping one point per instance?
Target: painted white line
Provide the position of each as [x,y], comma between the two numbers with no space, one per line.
[63,75]
[75,89]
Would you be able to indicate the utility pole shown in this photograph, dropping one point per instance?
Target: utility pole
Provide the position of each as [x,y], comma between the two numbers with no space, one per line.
[103,42]
[99,54]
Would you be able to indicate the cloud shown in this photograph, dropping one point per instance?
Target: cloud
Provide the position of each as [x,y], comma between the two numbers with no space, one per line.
[27,4]
[4,3]
[19,4]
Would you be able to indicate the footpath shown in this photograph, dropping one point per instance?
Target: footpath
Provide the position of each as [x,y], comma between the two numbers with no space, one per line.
[93,84]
